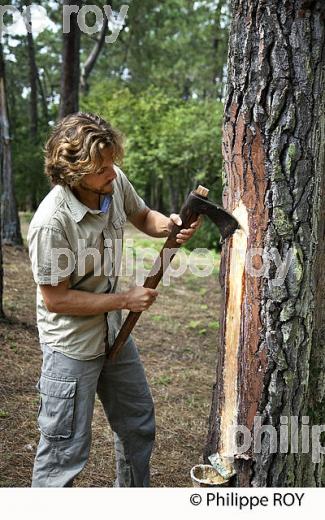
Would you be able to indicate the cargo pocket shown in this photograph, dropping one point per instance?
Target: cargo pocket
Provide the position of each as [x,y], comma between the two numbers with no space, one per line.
[56,410]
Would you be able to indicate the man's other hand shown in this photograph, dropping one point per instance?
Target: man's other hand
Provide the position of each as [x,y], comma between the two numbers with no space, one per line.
[140,299]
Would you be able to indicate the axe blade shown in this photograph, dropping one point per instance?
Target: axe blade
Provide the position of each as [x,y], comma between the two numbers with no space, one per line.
[225,221]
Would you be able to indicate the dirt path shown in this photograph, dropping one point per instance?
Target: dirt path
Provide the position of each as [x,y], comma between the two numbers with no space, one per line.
[177,340]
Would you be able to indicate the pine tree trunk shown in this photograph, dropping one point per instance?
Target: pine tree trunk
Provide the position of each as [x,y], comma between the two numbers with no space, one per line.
[10,221]
[271,358]
[91,60]
[33,74]
[70,78]
[31,195]
[1,261]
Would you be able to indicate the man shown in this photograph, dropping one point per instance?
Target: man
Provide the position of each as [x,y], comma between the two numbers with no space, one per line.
[79,310]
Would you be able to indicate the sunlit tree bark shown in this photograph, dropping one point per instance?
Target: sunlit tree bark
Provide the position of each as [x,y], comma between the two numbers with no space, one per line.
[272,351]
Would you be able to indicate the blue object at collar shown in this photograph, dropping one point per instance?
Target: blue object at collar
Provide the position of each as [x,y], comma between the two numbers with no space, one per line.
[105,204]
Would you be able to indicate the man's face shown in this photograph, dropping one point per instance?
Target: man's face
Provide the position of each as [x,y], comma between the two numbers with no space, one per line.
[101,182]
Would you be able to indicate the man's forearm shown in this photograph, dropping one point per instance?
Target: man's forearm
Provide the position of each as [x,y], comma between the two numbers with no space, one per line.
[83,303]
[156,224]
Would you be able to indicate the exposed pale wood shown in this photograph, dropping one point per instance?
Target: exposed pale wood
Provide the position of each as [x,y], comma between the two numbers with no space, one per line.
[201,190]
[229,411]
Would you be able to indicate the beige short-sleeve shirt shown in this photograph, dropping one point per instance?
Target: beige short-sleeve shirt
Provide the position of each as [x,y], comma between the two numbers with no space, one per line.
[67,239]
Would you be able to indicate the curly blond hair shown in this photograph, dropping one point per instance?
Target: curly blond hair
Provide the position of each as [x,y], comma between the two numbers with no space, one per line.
[73,149]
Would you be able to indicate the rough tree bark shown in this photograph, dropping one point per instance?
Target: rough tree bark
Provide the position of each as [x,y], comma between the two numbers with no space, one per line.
[9,215]
[69,100]
[270,364]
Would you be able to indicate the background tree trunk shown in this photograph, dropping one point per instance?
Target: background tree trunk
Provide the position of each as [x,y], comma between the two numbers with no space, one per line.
[1,261]
[33,76]
[271,357]
[69,102]
[31,195]
[10,221]
[90,62]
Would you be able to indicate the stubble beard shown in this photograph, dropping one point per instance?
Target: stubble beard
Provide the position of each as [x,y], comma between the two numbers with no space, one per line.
[107,189]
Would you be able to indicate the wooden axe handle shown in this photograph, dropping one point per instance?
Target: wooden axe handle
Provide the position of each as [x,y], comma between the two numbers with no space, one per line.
[162,262]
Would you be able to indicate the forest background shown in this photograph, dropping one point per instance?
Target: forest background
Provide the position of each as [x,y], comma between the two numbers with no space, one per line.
[161,83]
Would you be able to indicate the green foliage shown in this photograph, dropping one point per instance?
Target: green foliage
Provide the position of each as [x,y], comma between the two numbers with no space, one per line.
[214,325]
[172,146]
[193,324]
[206,236]
[31,183]
[177,46]
[161,83]
[163,380]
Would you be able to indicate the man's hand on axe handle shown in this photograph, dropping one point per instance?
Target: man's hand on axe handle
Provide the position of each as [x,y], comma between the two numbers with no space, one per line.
[139,299]
[185,234]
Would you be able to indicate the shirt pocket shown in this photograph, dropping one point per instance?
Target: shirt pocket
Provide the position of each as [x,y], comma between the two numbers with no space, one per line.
[117,230]
[118,225]
[56,409]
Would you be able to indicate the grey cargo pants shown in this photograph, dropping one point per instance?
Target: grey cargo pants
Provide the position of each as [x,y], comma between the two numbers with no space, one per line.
[67,395]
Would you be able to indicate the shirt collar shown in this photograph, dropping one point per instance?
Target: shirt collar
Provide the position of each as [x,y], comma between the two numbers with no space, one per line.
[79,210]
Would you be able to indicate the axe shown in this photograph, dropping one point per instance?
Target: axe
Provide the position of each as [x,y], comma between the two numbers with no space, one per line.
[196,204]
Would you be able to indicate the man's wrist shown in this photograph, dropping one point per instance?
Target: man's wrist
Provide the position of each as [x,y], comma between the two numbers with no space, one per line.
[165,230]
[124,300]
[116,301]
